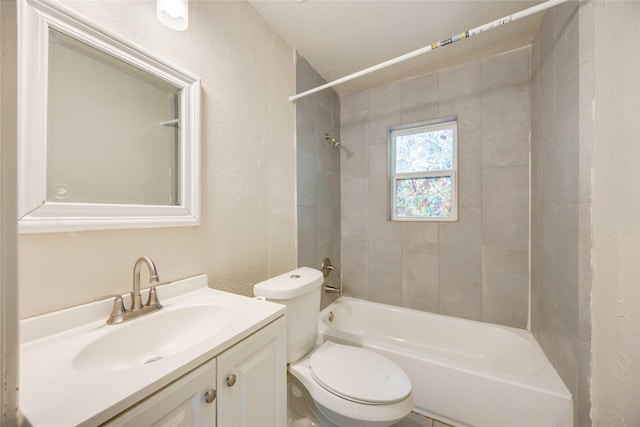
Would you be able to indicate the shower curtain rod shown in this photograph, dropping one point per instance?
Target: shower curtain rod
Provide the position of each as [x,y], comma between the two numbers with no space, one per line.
[464,35]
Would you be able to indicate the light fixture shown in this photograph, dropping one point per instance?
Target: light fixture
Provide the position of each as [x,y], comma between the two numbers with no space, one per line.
[174,14]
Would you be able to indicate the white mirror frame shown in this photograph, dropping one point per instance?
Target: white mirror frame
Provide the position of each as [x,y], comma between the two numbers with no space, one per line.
[36,215]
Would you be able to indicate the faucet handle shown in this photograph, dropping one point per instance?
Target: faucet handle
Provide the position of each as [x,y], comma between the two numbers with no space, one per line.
[333,290]
[118,309]
[327,267]
[153,297]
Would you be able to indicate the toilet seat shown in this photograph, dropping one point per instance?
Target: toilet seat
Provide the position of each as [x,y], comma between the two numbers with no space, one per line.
[358,375]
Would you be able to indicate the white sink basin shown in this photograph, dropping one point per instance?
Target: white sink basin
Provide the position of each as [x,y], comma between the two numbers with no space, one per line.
[151,338]
[77,370]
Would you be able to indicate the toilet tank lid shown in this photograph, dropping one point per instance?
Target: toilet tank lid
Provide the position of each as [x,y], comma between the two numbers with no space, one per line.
[289,285]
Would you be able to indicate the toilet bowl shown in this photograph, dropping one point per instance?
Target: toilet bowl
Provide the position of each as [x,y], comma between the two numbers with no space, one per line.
[352,386]
[349,386]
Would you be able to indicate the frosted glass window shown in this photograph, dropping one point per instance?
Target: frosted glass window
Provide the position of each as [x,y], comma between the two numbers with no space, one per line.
[425,151]
[424,197]
[422,171]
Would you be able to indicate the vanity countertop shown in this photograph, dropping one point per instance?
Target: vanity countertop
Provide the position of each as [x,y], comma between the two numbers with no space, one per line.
[59,387]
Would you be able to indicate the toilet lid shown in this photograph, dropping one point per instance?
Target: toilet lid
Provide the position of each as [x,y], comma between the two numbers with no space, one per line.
[358,375]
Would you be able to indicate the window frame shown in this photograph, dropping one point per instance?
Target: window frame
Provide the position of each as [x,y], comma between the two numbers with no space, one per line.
[393,176]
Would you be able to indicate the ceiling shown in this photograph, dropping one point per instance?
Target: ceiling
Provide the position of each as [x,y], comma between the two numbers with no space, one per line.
[339,37]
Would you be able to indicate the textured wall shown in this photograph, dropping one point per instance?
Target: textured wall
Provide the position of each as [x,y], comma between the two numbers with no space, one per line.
[248,166]
[616,214]
[318,173]
[561,152]
[477,267]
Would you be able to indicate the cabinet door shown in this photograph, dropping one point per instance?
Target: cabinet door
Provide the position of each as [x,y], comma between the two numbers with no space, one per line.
[189,401]
[252,380]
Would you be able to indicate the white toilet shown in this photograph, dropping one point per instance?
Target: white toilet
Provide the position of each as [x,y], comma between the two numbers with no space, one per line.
[350,386]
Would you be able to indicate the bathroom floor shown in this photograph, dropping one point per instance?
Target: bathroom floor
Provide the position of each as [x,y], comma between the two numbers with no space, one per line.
[417,420]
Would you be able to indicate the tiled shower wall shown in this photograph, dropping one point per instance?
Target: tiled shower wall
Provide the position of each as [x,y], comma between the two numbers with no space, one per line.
[561,153]
[318,173]
[477,267]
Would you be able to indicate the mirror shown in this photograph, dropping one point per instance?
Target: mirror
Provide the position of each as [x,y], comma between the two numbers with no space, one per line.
[122,146]
[108,133]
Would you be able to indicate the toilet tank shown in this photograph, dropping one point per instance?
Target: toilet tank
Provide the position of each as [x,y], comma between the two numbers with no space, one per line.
[299,290]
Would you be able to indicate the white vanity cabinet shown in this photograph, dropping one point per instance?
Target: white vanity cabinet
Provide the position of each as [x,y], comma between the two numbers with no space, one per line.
[252,379]
[248,390]
[189,401]
[159,369]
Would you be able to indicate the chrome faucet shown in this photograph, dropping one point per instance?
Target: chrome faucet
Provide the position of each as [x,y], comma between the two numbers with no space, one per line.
[119,314]
[136,299]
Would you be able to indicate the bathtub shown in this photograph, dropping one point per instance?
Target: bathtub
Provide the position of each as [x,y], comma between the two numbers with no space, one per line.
[463,372]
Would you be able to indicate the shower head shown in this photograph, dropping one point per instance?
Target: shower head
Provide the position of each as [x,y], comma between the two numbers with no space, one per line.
[332,140]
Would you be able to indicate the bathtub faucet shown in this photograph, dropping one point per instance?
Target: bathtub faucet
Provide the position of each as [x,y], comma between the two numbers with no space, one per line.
[327,268]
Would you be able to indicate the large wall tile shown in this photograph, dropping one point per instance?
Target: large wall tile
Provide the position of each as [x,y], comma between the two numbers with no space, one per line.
[324,120]
[378,183]
[505,140]
[546,36]
[566,265]
[335,116]
[542,327]
[420,277]
[384,111]
[385,287]
[505,207]
[380,227]
[585,275]
[306,168]
[564,357]
[307,231]
[461,95]
[461,265]
[585,29]
[355,267]
[506,69]
[328,212]
[355,104]
[470,169]
[307,78]
[584,398]
[418,235]
[505,286]
[305,117]
[547,107]
[567,159]
[354,155]
[419,98]
[420,265]
[585,132]
[385,255]
[566,47]
[385,271]
[460,299]
[504,101]
[355,207]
